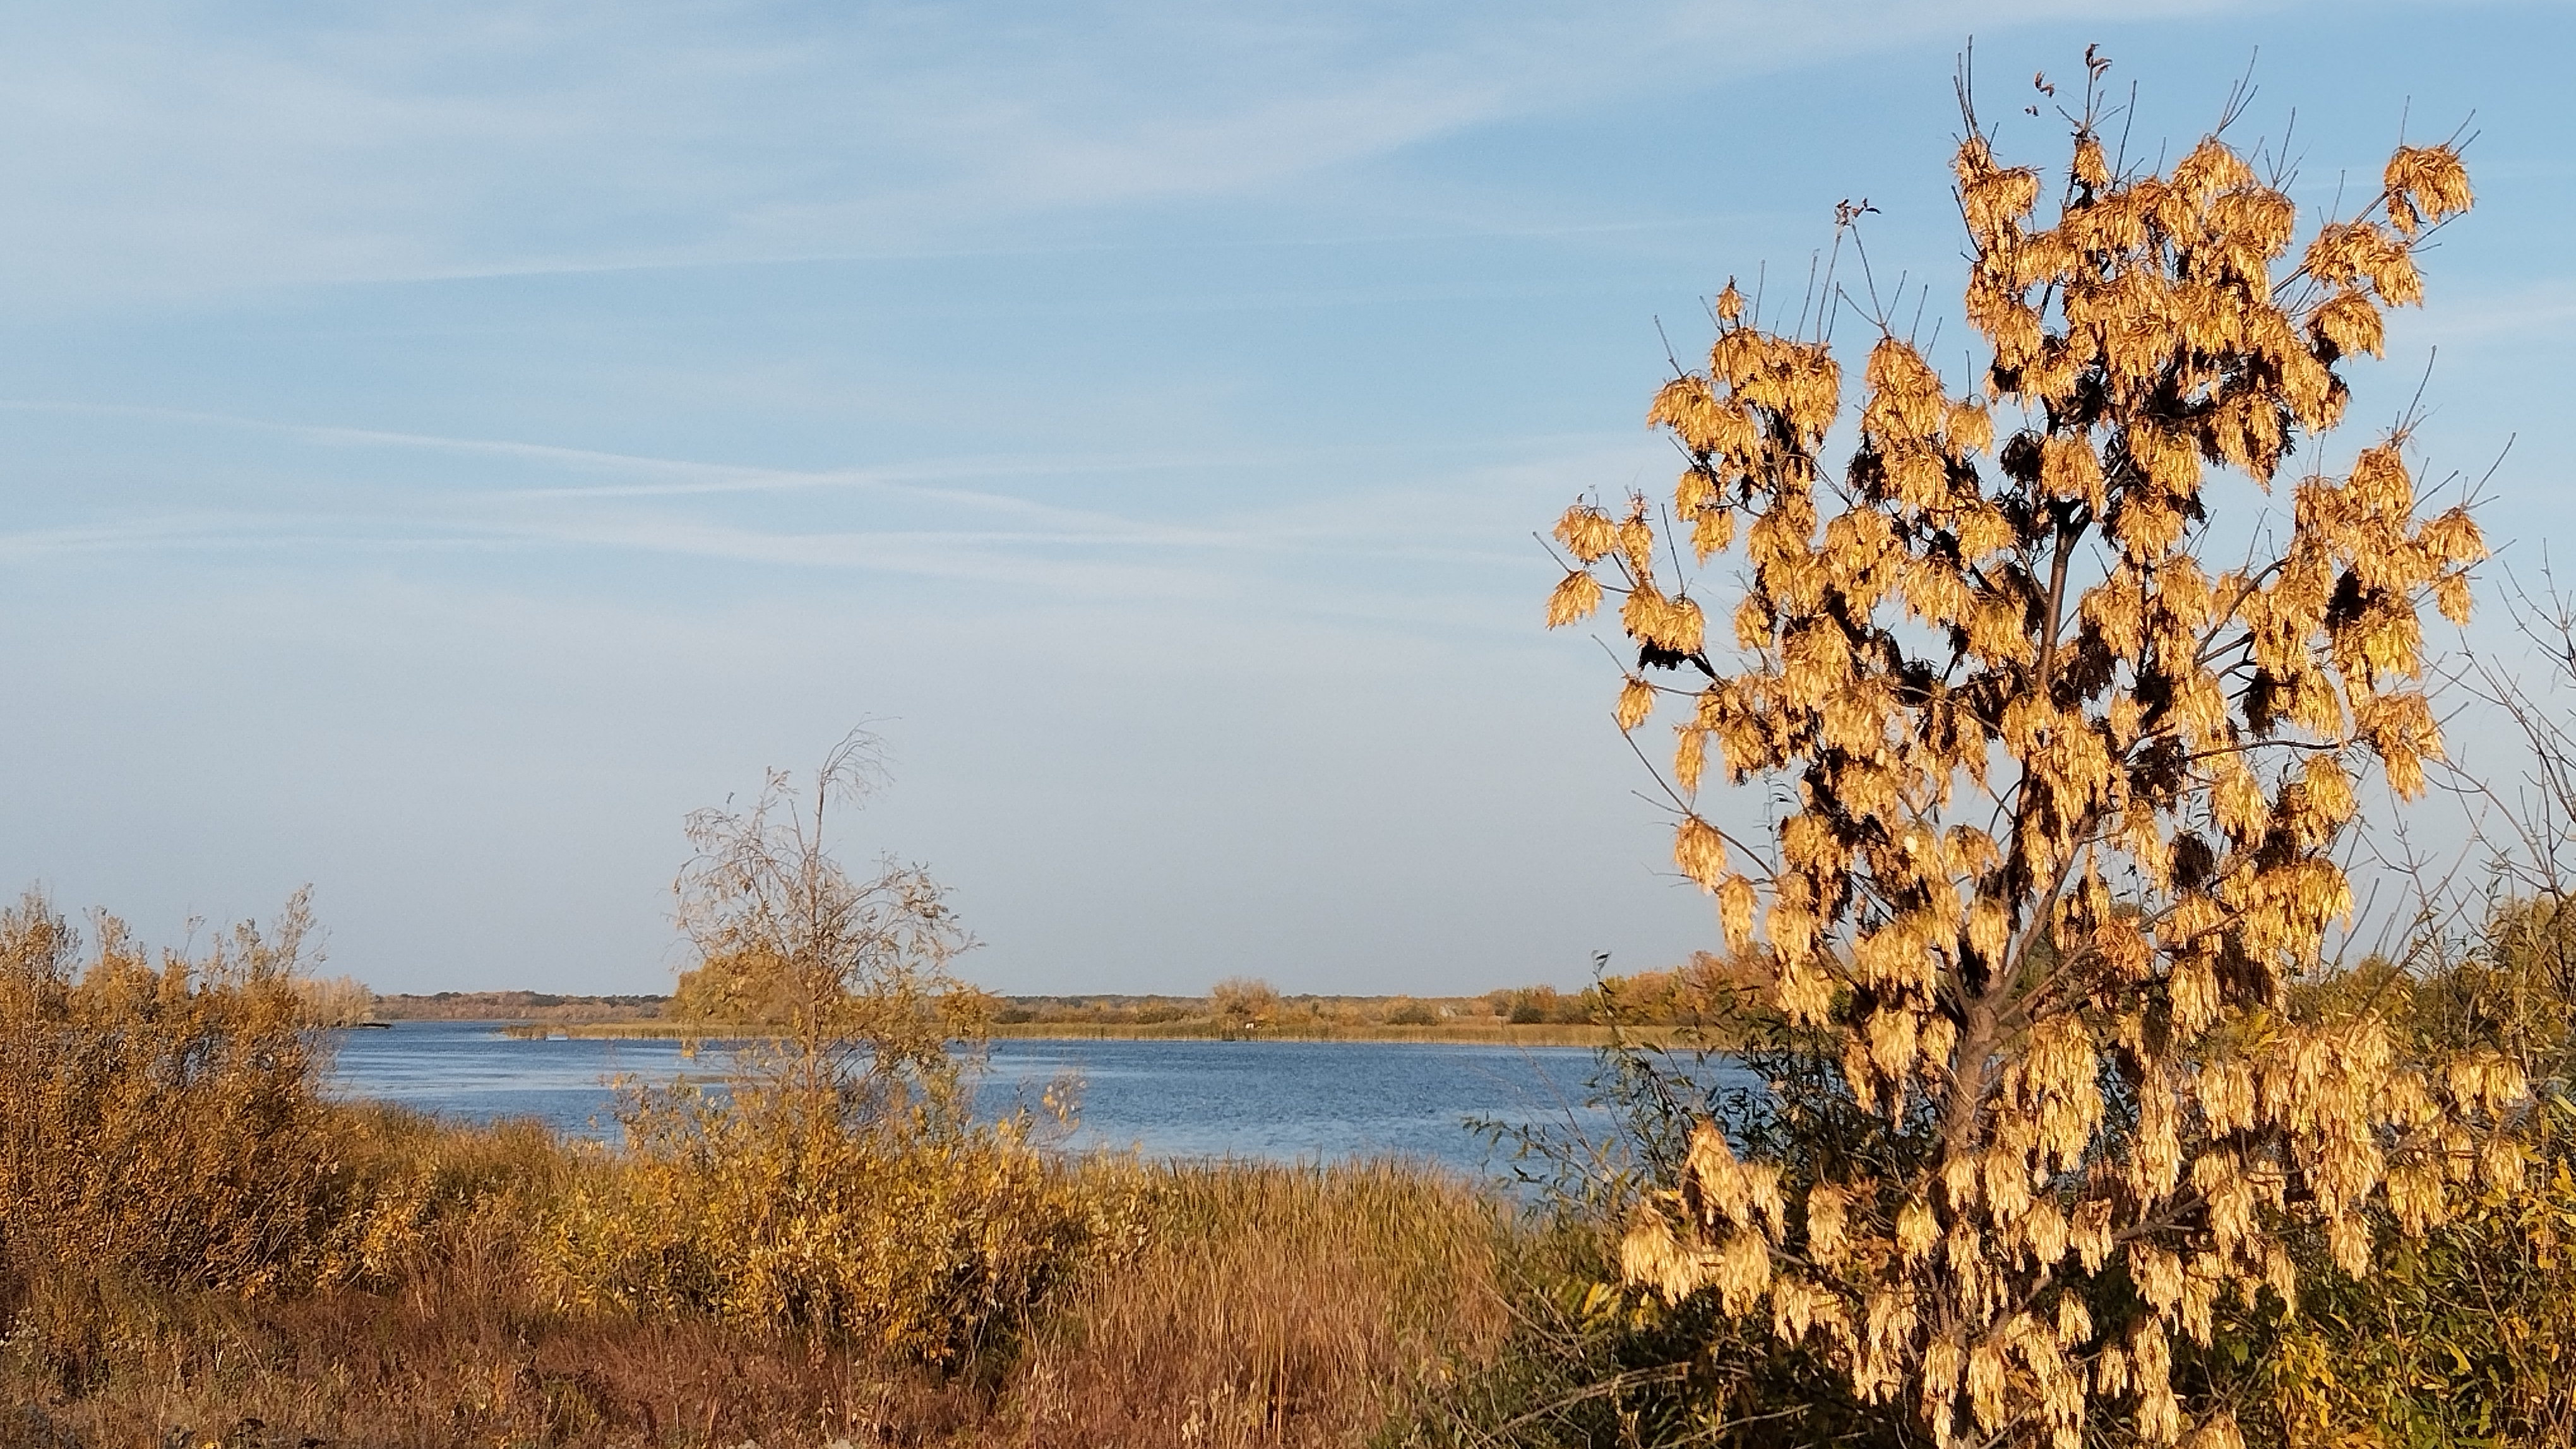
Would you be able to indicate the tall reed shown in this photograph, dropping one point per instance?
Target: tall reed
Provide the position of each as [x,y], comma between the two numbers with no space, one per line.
[1269,1305]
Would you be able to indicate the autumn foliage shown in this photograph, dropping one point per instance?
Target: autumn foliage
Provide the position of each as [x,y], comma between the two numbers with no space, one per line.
[2065,790]
[160,1116]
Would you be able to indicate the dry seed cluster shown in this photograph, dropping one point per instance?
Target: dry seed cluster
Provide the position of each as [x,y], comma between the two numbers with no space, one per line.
[2064,797]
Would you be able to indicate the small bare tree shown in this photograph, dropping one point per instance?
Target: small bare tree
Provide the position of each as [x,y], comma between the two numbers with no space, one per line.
[847,977]
[839,1183]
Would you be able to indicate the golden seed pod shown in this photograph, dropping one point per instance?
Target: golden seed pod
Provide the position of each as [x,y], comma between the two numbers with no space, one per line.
[1636,701]
[1700,852]
[1575,597]
[1586,532]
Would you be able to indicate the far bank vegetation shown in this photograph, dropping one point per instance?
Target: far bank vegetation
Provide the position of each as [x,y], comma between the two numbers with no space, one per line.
[1703,993]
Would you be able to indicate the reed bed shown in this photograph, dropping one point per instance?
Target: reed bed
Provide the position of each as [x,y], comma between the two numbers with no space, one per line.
[1269,1305]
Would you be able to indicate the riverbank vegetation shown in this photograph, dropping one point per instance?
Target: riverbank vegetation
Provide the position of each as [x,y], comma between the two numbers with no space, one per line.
[1693,999]
[198,1238]
[1474,1033]
[199,1245]
[523,1006]
[437,1285]
[1703,994]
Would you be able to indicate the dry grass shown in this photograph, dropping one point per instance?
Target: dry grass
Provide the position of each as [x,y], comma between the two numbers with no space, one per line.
[459,1355]
[1268,1306]
[1250,1305]
[1487,1032]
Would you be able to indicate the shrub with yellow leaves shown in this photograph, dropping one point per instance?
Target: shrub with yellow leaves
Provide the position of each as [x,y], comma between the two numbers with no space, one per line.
[905,1235]
[2065,797]
[837,1181]
[162,1118]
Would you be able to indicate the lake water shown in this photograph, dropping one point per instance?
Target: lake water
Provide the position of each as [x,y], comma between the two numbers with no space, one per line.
[1277,1100]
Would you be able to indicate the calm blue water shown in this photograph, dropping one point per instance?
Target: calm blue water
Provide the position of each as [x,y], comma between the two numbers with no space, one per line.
[1274,1100]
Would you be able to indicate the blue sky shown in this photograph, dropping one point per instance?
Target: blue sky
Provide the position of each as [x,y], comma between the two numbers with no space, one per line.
[442,445]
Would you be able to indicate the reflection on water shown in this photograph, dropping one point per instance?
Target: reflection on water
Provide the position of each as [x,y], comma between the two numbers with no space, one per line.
[1277,1100]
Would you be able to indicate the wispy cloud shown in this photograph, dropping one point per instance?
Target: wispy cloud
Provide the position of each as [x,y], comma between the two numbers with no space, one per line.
[413,140]
[645,476]
[676,507]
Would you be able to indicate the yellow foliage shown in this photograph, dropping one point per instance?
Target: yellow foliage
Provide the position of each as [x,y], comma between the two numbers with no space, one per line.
[766,1206]
[161,1120]
[2023,633]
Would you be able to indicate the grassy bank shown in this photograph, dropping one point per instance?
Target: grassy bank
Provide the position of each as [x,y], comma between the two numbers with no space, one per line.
[1464,1033]
[611,1030]
[1242,1305]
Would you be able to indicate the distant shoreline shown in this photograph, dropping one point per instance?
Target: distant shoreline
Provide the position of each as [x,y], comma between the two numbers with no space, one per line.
[1479,1034]
[1657,1008]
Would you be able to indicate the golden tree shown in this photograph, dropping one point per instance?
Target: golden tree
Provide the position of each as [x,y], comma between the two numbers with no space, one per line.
[1243,1004]
[2066,799]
